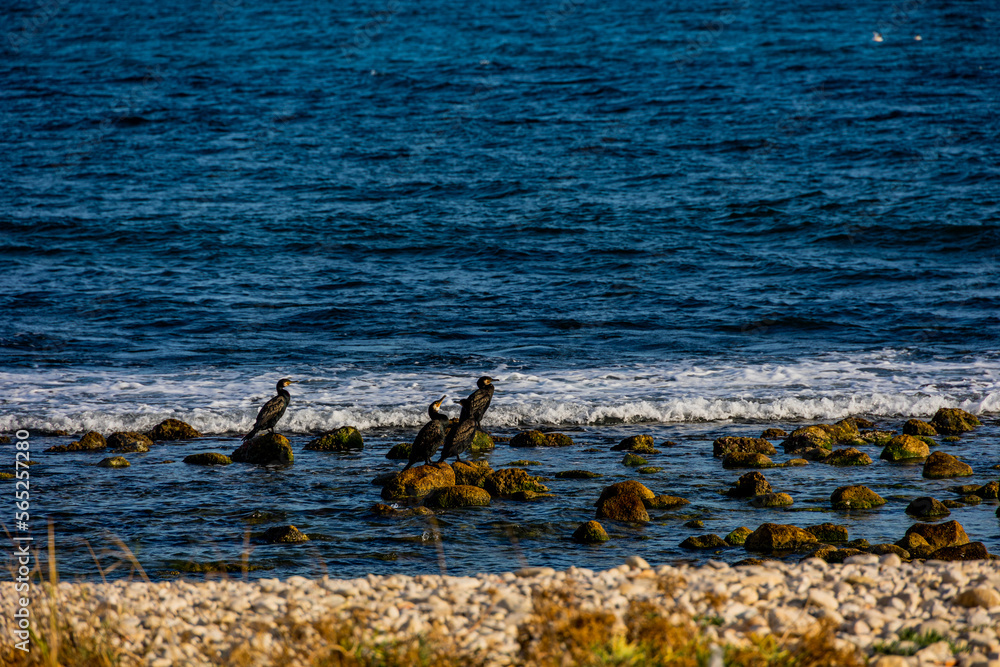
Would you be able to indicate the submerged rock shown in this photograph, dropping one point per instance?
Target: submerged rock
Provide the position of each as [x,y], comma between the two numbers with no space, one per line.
[114,462]
[829,532]
[91,441]
[125,440]
[173,429]
[344,439]
[559,440]
[951,421]
[623,488]
[879,438]
[749,485]
[633,460]
[694,523]
[664,502]
[777,537]
[132,448]
[736,460]
[773,434]
[772,500]
[381,509]
[940,535]
[848,457]
[510,482]
[649,470]
[940,465]
[709,541]
[539,439]
[399,452]
[918,427]
[590,532]
[925,507]
[208,459]
[855,497]
[264,450]
[904,447]
[284,535]
[640,444]
[738,536]
[577,474]
[625,507]
[857,422]
[732,444]
[418,481]
[460,495]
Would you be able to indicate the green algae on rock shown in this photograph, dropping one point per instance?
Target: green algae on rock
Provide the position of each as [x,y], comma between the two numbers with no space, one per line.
[940,535]
[773,434]
[264,450]
[855,497]
[903,447]
[345,438]
[915,545]
[126,439]
[471,473]
[173,429]
[418,481]
[481,442]
[529,439]
[738,536]
[918,427]
[771,500]
[460,495]
[824,436]
[664,502]
[633,460]
[399,452]
[952,421]
[733,444]
[284,535]
[749,485]
[709,541]
[91,441]
[208,459]
[649,470]
[590,532]
[829,532]
[737,460]
[577,474]
[940,465]
[114,462]
[777,537]
[510,482]
[640,444]
[848,457]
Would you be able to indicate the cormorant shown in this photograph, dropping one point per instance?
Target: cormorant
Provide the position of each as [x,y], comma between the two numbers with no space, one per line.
[460,435]
[272,410]
[479,400]
[429,440]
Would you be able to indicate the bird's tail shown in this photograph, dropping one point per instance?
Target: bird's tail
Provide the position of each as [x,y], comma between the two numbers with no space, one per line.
[250,435]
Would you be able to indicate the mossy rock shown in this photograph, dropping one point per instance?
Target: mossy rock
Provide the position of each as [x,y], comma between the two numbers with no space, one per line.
[952,421]
[577,474]
[848,457]
[559,440]
[522,463]
[529,439]
[481,442]
[777,537]
[264,450]
[344,439]
[93,440]
[284,535]
[940,465]
[664,502]
[835,555]
[640,444]
[971,499]
[970,551]
[964,489]
[627,507]
[173,429]
[460,495]
[926,507]
[649,470]
[772,500]
[882,549]
[738,536]
[381,509]
[855,497]
[857,422]
[796,463]
[952,504]
[989,491]
[507,482]
[951,438]
[418,481]
[114,462]
[829,532]
[208,459]
[732,445]
[6,475]
[824,436]
[134,447]
[630,487]
[590,532]
[749,485]
[471,473]
[709,541]
[400,452]
[4,439]
[877,438]
[918,427]
[915,545]
[773,434]
[940,535]
[694,523]
[633,460]
[124,440]
[737,460]
[904,447]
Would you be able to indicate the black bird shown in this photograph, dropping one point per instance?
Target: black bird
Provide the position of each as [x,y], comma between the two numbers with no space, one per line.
[272,410]
[427,442]
[460,435]
[479,400]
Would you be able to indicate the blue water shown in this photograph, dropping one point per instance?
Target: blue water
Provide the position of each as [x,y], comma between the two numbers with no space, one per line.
[671,215]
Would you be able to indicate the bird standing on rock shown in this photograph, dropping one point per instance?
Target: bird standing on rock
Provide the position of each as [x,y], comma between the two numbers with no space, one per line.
[427,442]
[272,410]
[460,436]
[479,400]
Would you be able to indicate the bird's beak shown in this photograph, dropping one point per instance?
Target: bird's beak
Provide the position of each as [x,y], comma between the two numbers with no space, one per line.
[442,399]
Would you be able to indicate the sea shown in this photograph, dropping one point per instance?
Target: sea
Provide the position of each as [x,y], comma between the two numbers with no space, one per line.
[681,219]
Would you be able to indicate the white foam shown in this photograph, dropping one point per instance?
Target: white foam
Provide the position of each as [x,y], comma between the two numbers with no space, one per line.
[885,384]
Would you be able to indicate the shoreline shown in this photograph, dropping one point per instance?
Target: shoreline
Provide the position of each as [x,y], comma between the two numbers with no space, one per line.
[947,613]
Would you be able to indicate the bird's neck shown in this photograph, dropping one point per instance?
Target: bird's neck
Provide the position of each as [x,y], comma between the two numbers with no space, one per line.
[284,392]
[435,415]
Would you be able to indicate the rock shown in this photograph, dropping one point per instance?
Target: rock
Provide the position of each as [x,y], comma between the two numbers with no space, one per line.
[882,549]
[704,542]
[796,463]
[925,507]
[471,473]
[904,447]
[208,459]
[89,442]
[640,444]
[344,439]
[509,482]
[134,447]
[989,491]
[577,474]
[5,440]
[965,489]
[264,450]
[694,523]
[952,421]
[971,499]
[630,487]
[284,535]
[381,509]
[879,438]
[774,537]
[915,545]
[522,463]
[773,434]
[829,532]
[939,535]
[731,444]
[6,475]
[821,435]
[127,439]
[858,423]
[918,427]
[735,460]
[590,532]
[978,596]
[173,429]
[939,465]
[952,504]
[633,460]
[855,497]
[649,470]
[835,555]
[400,452]
[970,551]
[114,462]
[749,485]
[813,453]
[848,457]
[529,439]
[559,440]
[664,502]
[624,507]
[738,536]
[772,500]
[418,481]
[481,442]
[460,495]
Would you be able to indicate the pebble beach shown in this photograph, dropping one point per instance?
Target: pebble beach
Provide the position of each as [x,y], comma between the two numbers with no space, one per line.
[951,609]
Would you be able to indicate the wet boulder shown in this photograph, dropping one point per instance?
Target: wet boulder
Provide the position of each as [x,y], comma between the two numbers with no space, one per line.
[857,422]
[855,497]
[970,551]
[114,462]
[649,470]
[940,465]
[208,459]
[777,537]
[529,439]
[264,450]
[884,548]
[749,485]
[513,483]
[481,442]
[399,452]
[732,444]
[633,460]
[926,507]
[915,545]
[903,447]
[640,444]
[559,440]
[952,421]
[623,488]
[829,532]
[418,481]
[918,427]
[460,495]
[625,507]
[590,532]
[344,439]
[471,473]
[817,454]
[988,491]
[848,457]
[284,535]
[773,434]
[383,510]
[771,500]
[173,429]
[738,536]
[125,440]
[91,441]
[664,502]
[940,535]
[704,542]
[824,436]
[737,460]
[577,474]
